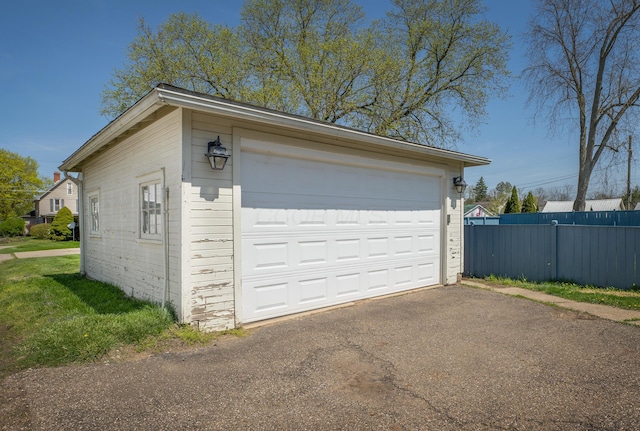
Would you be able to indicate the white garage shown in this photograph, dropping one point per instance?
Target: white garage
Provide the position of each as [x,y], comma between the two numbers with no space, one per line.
[304,215]
[320,230]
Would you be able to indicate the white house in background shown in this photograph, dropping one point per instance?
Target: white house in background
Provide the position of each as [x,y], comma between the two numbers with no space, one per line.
[304,215]
[637,208]
[590,205]
[477,210]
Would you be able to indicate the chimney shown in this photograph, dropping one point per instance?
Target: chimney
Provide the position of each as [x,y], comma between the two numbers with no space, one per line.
[56,177]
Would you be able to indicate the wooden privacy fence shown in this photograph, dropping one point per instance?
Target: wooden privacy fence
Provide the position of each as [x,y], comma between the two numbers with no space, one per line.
[605,256]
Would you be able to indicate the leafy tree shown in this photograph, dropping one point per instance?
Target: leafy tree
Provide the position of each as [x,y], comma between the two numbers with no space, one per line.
[400,76]
[185,51]
[480,191]
[12,227]
[439,55]
[19,184]
[498,197]
[585,68]
[529,204]
[59,230]
[503,189]
[513,204]
[315,57]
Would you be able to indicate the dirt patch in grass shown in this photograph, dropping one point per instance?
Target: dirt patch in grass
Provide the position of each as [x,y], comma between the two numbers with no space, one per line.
[7,362]
[129,353]
[14,406]
[175,340]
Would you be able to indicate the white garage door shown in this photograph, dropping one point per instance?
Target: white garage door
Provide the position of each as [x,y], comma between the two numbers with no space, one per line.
[316,234]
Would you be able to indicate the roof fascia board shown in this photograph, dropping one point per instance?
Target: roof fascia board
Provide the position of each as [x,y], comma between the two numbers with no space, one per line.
[143,108]
[250,113]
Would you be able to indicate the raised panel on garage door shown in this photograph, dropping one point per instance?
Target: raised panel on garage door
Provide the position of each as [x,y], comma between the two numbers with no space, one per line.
[316,234]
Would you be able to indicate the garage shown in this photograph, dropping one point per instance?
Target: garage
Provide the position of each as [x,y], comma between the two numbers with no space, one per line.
[322,228]
[263,213]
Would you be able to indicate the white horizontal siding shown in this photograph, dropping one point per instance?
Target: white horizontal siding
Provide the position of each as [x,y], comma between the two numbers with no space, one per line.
[211,227]
[117,255]
[454,241]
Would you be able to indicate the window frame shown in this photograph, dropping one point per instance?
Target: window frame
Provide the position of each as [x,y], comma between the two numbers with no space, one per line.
[94,214]
[69,189]
[56,204]
[153,223]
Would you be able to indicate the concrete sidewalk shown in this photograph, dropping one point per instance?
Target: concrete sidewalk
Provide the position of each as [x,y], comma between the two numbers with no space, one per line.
[39,253]
[602,311]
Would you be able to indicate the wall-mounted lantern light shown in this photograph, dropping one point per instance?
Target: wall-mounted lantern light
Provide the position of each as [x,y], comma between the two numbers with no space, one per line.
[459,184]
[217,154]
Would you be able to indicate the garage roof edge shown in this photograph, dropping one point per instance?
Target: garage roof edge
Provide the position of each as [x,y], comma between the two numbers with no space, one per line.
[164,94]
[142,109]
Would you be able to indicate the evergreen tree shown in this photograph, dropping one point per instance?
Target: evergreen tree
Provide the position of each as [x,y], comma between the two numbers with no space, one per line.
[59,230]
[513,204]
[480,191]
[529,204]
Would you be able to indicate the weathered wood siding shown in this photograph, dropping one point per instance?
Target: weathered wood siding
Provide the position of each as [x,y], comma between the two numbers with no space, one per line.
[454,220]
[117,254]
[210,213]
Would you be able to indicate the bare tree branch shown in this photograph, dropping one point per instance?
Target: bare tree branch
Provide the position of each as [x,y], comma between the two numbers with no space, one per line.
[584,65]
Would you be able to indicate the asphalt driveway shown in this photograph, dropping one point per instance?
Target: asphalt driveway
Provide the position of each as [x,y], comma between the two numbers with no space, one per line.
[452,358]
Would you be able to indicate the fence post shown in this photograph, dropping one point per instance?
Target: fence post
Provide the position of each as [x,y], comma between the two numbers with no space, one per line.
[471,250]
[554,250]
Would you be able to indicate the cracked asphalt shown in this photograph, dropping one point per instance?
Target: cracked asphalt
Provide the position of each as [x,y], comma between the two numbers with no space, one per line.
[453,358]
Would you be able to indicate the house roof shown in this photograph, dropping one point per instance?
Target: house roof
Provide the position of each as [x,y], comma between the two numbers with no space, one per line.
[155,103]
[55,186]
[590,205]
[471,207]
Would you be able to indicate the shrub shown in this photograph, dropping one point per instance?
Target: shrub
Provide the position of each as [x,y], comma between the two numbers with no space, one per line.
[40,231]
[12,227]
[59,230]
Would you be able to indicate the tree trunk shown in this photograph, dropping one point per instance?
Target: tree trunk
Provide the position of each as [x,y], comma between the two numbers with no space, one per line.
[583,184]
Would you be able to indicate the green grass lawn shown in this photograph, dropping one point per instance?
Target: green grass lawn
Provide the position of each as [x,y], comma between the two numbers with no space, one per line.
[32,244]
[627,299]
[50,315]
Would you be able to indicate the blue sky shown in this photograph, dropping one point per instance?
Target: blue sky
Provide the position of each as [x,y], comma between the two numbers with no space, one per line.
[56,57]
